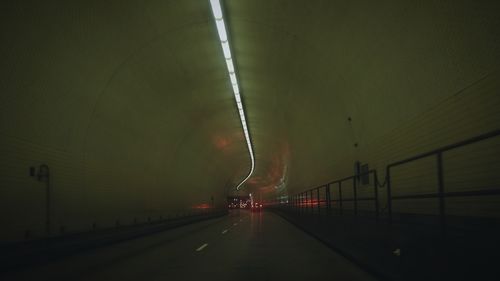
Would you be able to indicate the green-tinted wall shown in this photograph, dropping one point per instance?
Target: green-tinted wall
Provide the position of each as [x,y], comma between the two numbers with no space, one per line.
[126,101]
[129,103]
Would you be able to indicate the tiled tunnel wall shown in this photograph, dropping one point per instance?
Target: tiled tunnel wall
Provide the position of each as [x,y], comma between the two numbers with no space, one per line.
[466,114]
[129,104]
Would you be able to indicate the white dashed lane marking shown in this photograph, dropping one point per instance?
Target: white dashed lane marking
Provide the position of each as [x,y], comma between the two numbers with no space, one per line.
[201,247]
[224,231]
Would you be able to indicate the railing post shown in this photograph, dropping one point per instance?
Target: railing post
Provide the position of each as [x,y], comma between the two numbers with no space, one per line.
[318,197]
[328,200]
[301,203]
[442,215]
[340,198]
[304,202]
[311,202]
[354,181]
[375,183]
[297,203]
[308,202]
[389,196]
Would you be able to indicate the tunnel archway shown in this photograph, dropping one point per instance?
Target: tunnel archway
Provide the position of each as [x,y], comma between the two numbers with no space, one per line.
[129,103]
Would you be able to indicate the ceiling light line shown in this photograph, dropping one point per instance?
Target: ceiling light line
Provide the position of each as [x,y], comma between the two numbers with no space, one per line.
[226,49]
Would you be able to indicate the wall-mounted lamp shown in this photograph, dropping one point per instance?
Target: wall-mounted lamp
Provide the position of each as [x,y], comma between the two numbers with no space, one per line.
[43,174]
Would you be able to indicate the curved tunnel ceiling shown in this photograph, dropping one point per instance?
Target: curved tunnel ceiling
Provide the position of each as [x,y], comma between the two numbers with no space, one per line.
[129,101]
[308,67]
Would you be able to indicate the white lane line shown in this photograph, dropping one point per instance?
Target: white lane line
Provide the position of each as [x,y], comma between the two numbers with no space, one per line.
[235,224]
[224,232]
[201,247]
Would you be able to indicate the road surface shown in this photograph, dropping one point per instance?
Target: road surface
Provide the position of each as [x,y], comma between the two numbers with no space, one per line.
[240,246]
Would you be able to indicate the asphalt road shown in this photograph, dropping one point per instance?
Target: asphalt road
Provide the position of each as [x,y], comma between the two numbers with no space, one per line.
[240,246]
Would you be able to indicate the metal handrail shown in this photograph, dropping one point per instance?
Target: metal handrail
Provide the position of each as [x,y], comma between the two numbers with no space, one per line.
[297,200]
[441,194]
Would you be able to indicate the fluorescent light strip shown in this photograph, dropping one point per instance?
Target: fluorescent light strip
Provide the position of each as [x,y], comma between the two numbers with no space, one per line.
[232,77]
[221,29]
[236,90]
[230,66]
[226,49]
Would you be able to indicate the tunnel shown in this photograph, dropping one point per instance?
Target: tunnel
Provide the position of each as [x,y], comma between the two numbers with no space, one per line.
[249,140]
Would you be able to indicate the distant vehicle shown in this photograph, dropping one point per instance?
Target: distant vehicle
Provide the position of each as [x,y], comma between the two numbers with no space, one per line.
[238,202]
[256,207]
